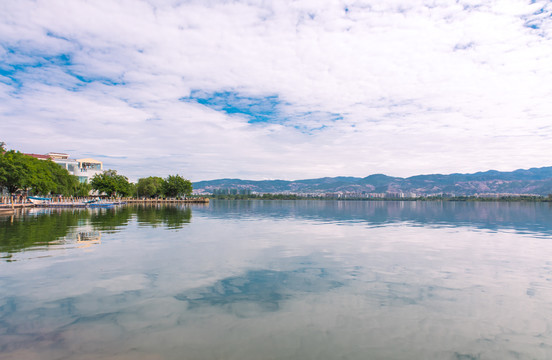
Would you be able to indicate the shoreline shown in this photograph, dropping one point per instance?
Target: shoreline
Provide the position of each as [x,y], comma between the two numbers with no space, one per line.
[7,208]
[421,199]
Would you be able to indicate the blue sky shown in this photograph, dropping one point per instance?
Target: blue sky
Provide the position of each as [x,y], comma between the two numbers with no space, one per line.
[280,89]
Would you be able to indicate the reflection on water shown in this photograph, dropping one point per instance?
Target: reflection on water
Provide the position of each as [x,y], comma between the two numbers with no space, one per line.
[521,216]
[265,289]
[54,229]
[171,217]
[280,280]
[88,238]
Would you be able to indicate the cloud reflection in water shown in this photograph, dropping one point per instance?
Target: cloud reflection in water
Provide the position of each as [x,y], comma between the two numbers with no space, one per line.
[266,289]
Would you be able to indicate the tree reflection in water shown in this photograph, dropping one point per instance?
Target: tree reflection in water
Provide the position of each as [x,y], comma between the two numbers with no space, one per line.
[173,217]
[44,228]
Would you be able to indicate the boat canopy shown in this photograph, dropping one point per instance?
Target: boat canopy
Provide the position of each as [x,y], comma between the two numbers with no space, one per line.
[39,198]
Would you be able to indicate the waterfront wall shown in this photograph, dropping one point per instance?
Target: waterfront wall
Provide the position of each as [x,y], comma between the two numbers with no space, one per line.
[164,201]
[22,201]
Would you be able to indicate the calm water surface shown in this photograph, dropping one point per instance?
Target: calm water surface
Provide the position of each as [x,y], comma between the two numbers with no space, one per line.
[279,280]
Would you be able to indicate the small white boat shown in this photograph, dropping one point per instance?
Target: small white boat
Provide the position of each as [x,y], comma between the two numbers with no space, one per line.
[39,200]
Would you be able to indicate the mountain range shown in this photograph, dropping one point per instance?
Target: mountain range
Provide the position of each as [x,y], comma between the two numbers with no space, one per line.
[532,181]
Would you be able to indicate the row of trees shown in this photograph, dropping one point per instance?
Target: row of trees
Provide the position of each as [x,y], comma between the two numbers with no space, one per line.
[111,184]
[171,186]
[44,177]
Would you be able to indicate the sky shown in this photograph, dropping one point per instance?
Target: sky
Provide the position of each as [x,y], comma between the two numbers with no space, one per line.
[282,89]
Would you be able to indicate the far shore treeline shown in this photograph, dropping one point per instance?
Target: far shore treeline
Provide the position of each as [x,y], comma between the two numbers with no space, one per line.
[504,198]
[31,176]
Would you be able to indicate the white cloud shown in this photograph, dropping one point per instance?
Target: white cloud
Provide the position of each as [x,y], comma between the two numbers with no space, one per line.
[418,86]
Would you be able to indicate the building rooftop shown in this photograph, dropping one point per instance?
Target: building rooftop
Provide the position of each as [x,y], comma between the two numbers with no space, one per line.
[39,156]
[89,161]
[56,155]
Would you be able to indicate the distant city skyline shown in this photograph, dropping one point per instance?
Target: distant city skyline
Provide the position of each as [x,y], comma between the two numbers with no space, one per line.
[280,89]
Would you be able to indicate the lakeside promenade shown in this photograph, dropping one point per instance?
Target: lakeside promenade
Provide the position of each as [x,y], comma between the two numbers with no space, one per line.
[10,203]
[200,200]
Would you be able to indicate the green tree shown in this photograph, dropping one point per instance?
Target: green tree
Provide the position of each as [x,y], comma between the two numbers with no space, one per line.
[14,171]
[56,179]
[111,183]
[150,187]
[176,185]
[41,178]
[132,190]
[82,189]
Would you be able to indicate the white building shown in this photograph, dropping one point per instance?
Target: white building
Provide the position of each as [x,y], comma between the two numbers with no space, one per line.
[87,169]
[63,160]
[84,169]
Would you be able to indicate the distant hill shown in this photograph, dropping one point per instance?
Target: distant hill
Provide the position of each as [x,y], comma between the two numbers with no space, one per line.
[532,181]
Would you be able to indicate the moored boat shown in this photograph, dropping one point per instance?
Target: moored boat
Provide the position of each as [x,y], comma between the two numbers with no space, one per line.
[39,200]
[100,204]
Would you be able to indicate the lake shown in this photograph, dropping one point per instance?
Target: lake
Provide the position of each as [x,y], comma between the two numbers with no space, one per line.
[279,280]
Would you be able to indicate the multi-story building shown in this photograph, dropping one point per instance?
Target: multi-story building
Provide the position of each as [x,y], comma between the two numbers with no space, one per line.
[84,169]
[70,165]
[88,168]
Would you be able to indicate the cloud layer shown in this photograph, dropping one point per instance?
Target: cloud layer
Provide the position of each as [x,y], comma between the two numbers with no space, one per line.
[280,89]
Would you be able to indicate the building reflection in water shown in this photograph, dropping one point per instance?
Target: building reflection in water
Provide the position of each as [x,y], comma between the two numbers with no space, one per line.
[86,239]
[43,229]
